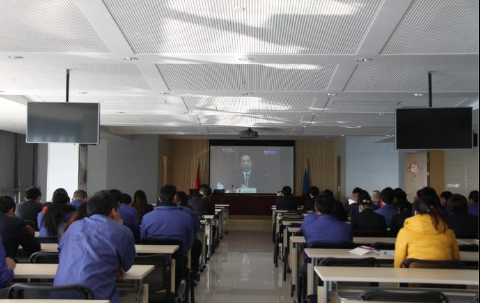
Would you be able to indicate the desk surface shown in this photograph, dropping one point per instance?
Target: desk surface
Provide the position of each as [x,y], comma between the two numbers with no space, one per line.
[209,217]
[398,275]
[319,253]
[51,301]
[371,240]
[222,205]
[47,271]
[140,249]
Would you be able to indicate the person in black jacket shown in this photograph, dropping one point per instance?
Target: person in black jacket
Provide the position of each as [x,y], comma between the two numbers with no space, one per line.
[404,212]
[309,205]
[463,224]
[285,203]
[202,204]
[29,209]
[366,222]
[14,231]
[339,212]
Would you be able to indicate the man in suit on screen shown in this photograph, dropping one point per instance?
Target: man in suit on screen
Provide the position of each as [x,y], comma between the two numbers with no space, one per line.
[248,177]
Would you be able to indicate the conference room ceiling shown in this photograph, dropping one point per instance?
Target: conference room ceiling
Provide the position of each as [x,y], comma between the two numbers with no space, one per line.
[290,68]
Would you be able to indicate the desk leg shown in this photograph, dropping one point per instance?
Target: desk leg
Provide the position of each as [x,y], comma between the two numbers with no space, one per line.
[173,281]
[145,293]
[139,288]
[294,267]
[326,290]
[310,278]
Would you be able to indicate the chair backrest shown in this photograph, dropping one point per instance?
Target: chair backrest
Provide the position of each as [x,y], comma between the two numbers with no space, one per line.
[475,299]
[468,247]
[44,257]
[48,239]
[473,235]
[158,279]
[369,233]
[31,291]
[403,296]
[383,246]
[333,245]
[445,264]
[295,224]
[348,262]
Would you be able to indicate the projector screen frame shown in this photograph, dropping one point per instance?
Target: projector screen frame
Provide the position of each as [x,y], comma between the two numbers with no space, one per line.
[279,143]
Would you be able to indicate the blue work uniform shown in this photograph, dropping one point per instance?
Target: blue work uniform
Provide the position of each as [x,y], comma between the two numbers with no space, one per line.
[43,232]
[473,209]
[169,223]
[91,251]
[326,228]
[6,274]
[388,211]
[195,219]
[129,216]
[76,202]
[307,220]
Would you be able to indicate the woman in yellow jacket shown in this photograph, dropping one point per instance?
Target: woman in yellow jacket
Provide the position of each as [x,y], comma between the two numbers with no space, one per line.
[425,236]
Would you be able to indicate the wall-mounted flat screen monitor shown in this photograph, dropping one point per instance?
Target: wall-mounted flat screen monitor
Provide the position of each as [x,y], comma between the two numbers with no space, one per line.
[54,122]
[434,128]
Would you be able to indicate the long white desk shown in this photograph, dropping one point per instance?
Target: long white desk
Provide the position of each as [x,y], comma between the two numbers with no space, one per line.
[139,248]
[47,271]
[225,215]
[393,275]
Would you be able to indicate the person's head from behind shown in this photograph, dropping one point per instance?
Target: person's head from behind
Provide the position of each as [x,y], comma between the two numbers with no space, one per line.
[314,191]
[7,206]
[205,190]
[364,203]
[355,193]
[399,195]
[429,192]
[167,194]
[328,193]
[60,198]
[287,191]
[473,197]
[103,203]
[55,210]
[445,196]
[126,199]
[324,205]
[363,195]
[80,213]
[387,195]
[457,204]
[375,196]
[60,190]
[427,206]
[140,197]
[246,163]
[181,199]
[33,194]
[80,194]
[117,195]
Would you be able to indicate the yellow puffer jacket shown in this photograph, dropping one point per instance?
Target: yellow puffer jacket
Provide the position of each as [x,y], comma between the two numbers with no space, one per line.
[419,239]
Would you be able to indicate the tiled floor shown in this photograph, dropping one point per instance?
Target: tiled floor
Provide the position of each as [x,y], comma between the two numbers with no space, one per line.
[242,271]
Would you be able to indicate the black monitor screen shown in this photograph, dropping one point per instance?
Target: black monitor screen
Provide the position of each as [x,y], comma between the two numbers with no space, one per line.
[434,128]
[54,122]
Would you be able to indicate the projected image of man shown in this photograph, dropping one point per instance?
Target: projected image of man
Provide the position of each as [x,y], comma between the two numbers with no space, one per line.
[248,177]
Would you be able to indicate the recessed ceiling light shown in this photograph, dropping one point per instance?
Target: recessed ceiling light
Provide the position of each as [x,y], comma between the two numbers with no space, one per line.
[353,127]
[16,125]
[166,93]
[245,59]
[240,9]
[15,57]
[130,58]
[343,122]
[364,60]
[331,94]
[247,94]
[343,135]
[83,93]
[419,95]
[121,112]
[2,91]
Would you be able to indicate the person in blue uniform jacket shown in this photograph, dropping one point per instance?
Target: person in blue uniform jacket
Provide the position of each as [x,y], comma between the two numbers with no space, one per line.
[387,210]
[79,197]
[167,221]
[127,214]
[96,250]
[473,203]
[7,265]
[55,215]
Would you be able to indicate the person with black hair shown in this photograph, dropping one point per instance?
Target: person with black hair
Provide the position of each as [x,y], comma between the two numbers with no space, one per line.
[352,207]
[14,231]
[425,236]
[432,195]
[404,209]
[459,220]
[284,202]
[96,250]
[444,197]
[29,209]
[309,205]
[167,221]
[473,203]
[203,204]
[127,214]
[339,211]
[387,210]
[140,203]
[55,215]
[366,220]
[247,176]
[79,197]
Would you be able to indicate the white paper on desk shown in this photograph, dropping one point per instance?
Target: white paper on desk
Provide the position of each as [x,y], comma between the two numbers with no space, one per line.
[363,250]
[386,252]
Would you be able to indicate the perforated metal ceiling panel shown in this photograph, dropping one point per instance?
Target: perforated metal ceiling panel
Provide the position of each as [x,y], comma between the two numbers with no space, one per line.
[339,131]
[250,104]
[249,26]
[246,77]
[261,131]
[437,27]
[283,119]
[413,78]
[152,129]
[122,119]
[46,26]
[85,77]
[357,119]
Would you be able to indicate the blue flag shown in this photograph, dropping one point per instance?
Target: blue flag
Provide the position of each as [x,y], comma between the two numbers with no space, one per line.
[306,185]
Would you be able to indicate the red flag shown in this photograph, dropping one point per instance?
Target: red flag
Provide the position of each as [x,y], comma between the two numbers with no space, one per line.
[197,177]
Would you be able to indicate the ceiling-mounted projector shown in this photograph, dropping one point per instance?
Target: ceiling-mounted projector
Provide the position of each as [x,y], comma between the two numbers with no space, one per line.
[248,134]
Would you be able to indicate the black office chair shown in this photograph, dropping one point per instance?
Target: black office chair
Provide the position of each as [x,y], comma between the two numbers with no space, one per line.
[475,299]
[444,264]
[369,233]
[405,296]
[48,239]
[44,257]
[348,262]
[468,247]
[32,291]
[383,246]
[158,280]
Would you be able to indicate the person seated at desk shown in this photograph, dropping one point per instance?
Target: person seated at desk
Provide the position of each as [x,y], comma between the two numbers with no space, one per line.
[339,211]
[473,203]
[444,197]
[284,202]
[79,197]
[309,204]
[425,236]
[14,231]
[367,220]
[460,221]
[141,204]
[7,265]
[169,222]
[32,206]
[55,215]
[387,210]
[96,250]
[352,206]
[203,204]
[404,212]
[127,214]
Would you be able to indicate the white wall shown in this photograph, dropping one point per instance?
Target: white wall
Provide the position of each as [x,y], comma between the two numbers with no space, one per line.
[371,165]
[62,170]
